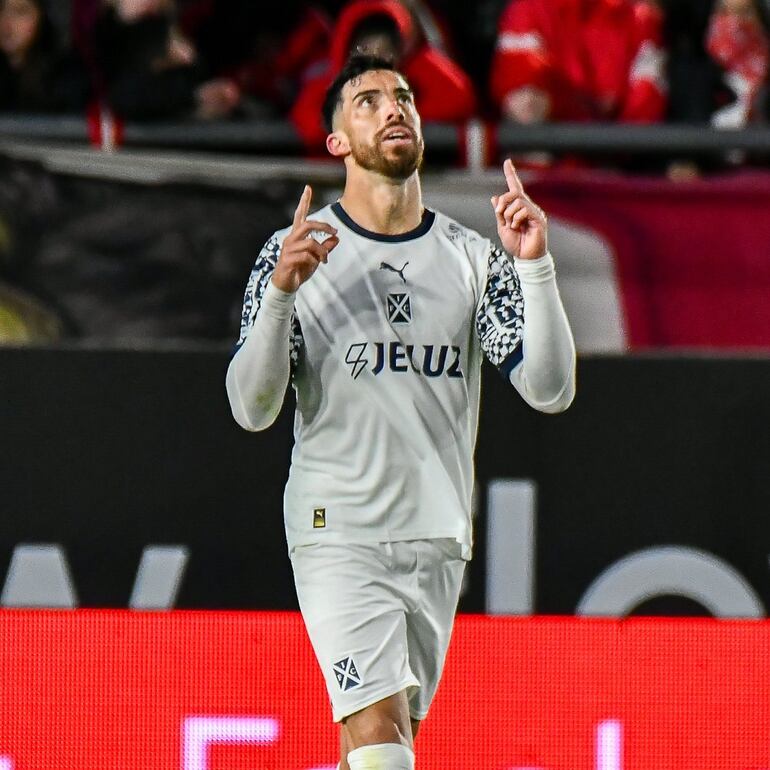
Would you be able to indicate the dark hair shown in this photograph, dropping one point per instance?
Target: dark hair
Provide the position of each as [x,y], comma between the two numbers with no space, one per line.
[356,66]
[376,24]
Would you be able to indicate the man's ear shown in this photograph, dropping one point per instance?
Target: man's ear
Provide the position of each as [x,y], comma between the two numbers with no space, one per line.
[337,144]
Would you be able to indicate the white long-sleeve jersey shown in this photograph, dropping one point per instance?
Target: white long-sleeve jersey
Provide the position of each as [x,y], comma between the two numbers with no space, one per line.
[384,345]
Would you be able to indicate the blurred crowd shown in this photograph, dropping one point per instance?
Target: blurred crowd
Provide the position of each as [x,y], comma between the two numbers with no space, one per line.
[525,61]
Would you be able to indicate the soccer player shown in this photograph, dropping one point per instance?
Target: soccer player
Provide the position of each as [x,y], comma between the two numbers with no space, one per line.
[379,310]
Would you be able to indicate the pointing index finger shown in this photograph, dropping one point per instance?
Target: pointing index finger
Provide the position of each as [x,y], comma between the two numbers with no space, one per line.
[514,183]
[303,207]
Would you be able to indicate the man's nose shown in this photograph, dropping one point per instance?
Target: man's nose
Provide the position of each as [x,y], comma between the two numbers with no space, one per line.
[395,111]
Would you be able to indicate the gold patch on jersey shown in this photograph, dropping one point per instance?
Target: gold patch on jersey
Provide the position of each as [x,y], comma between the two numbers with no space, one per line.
[319,518]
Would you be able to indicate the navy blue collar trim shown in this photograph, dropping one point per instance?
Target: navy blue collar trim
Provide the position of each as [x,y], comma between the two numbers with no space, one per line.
[428,217]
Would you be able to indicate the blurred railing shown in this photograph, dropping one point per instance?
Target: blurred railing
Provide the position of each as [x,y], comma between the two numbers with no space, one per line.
[660,139]
[471,144]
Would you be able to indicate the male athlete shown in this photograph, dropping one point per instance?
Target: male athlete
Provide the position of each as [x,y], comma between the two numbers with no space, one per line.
[379,311]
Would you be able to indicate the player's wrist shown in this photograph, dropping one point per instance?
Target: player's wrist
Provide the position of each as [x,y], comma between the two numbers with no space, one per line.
[277,301]
[521,258]
[283,281]
[535,270]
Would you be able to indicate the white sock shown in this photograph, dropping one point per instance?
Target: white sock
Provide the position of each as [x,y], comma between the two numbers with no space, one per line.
[382,756]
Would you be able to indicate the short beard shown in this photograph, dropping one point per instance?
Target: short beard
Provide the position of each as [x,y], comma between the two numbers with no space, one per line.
[398,167]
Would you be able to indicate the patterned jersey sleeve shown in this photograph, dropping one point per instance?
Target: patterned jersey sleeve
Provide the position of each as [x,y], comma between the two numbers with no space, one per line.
[255,289]
[500,314]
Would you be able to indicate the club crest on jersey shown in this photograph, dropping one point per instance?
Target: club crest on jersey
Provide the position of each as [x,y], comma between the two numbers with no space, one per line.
[346,674]
[399,308]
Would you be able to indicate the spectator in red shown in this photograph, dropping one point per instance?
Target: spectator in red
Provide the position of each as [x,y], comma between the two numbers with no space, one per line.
[264,54]
[151,70]
[36,73]
[431,24]
[738,41]
[580,60]
[443,92]
[282,55]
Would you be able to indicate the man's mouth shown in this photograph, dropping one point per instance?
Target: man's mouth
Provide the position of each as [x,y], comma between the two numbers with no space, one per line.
[397,136]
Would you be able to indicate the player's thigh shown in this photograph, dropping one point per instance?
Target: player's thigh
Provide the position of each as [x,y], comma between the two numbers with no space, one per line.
[356,621]
[440,570]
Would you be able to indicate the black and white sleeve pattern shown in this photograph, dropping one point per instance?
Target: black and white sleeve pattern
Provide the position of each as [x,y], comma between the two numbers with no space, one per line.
[500,314]
[255,290]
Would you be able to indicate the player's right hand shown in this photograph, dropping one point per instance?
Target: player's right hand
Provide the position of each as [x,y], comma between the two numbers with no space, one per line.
[301,253]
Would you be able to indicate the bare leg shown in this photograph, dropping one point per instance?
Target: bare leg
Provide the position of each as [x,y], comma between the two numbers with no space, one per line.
[345,747]
[386,721]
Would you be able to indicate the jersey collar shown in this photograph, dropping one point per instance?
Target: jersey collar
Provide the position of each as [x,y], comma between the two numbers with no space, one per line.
[428,217]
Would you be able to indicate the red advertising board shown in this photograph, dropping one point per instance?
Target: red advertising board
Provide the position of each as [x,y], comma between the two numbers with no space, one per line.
[680,272]
[102,690]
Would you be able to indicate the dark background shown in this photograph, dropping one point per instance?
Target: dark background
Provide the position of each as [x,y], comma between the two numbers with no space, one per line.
[109,451]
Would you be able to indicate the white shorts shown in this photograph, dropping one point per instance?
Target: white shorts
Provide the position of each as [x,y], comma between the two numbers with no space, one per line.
[379,617]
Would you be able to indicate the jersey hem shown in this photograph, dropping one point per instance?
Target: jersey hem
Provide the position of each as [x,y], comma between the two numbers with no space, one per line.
[465,543]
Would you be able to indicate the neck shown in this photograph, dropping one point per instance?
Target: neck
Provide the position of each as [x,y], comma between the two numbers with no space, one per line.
[382,205]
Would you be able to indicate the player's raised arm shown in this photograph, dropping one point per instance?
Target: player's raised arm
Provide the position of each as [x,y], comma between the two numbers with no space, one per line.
[545,377]
[259,372]
[521,224]
[301,253]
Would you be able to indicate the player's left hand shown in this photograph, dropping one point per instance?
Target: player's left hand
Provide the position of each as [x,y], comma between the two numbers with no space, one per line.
[521,224]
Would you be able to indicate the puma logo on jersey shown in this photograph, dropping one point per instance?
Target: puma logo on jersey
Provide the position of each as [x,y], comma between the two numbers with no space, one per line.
[386,266]
[424,360]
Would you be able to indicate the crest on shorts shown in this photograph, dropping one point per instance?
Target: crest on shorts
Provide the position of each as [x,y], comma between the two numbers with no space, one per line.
[347,674]
[319,518]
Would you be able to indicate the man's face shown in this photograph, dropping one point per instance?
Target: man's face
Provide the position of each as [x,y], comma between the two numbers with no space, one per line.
[133,10]
[19,23]
[381,124]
